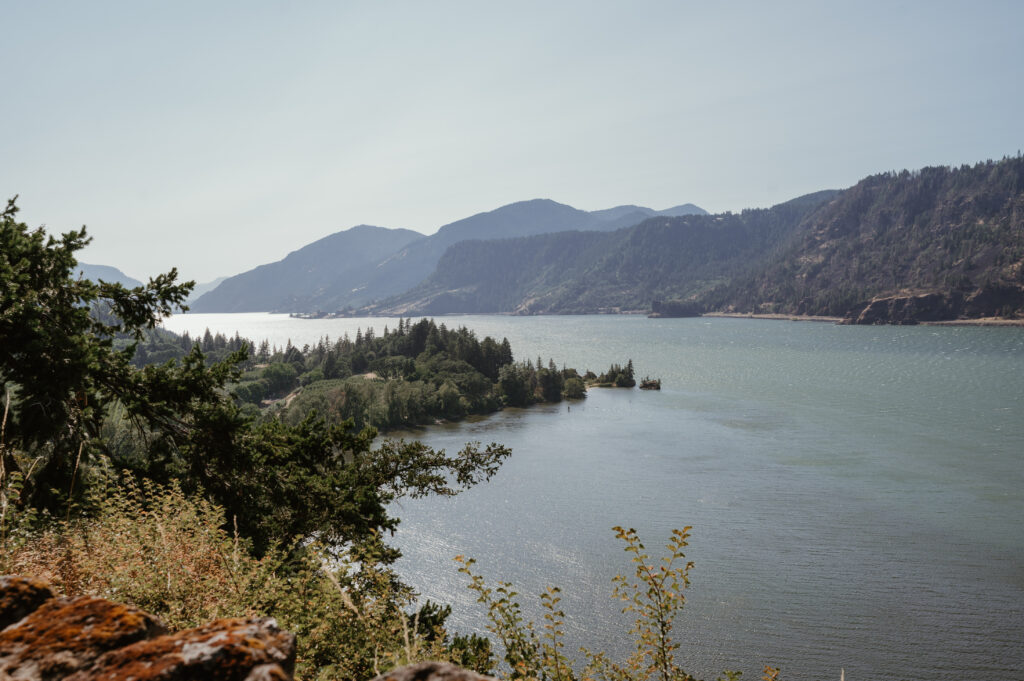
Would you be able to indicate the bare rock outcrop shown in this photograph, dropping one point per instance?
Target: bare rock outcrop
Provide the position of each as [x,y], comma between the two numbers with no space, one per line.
[19,597]
[46,638]
[992,300]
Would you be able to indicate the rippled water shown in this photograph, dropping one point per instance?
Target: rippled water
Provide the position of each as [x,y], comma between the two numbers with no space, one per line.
[855,492]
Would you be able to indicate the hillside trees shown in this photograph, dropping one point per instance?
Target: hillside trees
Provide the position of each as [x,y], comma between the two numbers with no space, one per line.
[58,365]
[413,375]
[73,397]
[957,231]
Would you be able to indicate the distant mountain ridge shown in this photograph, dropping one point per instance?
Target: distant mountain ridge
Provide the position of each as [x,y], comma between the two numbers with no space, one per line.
[343,261]
[932,244]
[199,289]
[351,273]
[106,273]
[929,245]
[587,272]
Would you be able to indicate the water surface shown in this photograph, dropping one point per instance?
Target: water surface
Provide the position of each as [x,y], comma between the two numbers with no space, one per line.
[855,492]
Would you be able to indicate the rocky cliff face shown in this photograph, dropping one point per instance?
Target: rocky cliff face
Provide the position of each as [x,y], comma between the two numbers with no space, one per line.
[993,300]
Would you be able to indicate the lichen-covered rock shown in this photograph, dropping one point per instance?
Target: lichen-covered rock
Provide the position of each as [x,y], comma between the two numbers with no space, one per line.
[431,671]
[223,650]
[91,639]
[64,635]
[19,597]
[88,639]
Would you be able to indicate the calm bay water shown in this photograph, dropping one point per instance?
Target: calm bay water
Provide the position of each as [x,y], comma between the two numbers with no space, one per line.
[855,492]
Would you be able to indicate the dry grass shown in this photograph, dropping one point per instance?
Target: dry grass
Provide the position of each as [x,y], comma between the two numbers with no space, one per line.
[155,548]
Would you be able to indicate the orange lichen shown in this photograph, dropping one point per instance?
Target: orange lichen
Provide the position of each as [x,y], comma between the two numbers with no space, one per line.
[88,639]
[66,634]
[19,597]
[226,650]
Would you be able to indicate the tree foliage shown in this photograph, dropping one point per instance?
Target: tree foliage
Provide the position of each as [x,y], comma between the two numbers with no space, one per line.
[415,374]
[66,361]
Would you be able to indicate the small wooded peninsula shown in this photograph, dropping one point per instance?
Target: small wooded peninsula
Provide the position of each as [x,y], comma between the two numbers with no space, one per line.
[416,374]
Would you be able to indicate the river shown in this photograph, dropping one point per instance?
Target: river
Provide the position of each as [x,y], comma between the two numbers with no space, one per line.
[855,492]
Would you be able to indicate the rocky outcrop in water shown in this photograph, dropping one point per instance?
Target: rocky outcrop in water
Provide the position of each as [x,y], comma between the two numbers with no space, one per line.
[993,300]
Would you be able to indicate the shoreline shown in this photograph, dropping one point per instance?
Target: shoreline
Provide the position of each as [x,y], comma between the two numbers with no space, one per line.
[981,321]
[775,316]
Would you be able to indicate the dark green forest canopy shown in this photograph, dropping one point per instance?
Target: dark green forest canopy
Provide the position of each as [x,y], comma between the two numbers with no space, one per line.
[411,375]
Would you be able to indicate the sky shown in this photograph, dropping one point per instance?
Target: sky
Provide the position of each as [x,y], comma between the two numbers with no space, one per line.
[218,136]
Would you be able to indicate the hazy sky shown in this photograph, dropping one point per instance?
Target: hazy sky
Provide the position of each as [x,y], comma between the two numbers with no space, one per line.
[217,136]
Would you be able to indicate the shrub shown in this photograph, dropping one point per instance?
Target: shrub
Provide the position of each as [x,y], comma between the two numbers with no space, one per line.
[575,389]
[654,593]
[167,553]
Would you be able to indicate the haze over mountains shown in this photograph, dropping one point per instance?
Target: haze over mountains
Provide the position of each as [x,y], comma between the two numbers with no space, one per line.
[938,243]
[584,272]
[360,265]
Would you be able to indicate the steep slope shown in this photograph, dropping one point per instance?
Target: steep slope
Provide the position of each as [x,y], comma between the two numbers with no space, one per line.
[578,272]
[343,261]
[935,244]
[938,243]
[201,289]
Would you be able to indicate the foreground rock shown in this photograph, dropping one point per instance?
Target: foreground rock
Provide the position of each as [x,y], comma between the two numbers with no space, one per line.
[19,597]
[227,649]
[46,638]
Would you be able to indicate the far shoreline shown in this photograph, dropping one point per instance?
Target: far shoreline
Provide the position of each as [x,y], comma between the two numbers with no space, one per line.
[775,316]
[982,321]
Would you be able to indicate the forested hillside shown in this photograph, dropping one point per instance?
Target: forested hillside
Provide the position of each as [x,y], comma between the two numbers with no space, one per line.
[586,272]
[935,244]
[938,243]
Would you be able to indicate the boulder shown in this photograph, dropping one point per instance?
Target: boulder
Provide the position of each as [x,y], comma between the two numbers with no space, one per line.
[253,649]
[19,597]
[46,638]
[64,635]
